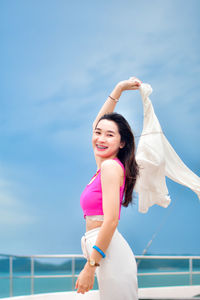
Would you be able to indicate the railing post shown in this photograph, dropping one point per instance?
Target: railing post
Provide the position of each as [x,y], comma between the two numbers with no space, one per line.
[32,275]
[11,275]
[190,269]
[73,272]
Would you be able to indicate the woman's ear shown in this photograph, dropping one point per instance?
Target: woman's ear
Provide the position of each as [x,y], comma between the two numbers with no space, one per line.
[122,144]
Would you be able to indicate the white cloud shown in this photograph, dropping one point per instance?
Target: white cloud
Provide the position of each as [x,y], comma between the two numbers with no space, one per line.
[53,94]
[147,46]
[13,211]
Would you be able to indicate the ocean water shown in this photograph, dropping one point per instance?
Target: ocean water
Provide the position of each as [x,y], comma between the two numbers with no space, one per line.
[22,286]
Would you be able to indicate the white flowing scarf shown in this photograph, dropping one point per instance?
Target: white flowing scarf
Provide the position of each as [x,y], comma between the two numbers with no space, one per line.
[157,159]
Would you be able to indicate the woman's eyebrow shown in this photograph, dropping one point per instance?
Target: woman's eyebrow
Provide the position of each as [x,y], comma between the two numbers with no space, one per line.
[110,131]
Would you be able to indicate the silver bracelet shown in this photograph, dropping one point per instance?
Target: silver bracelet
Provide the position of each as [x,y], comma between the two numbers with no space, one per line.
[116,100]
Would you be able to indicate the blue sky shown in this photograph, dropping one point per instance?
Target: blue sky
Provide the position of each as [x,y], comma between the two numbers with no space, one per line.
[59,62]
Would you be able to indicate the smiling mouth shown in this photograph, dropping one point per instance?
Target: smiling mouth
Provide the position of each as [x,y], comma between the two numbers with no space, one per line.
[101,147]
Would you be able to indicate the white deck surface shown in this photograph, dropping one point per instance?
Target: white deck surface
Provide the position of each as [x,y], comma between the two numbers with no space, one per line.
[177,292]
[173,292]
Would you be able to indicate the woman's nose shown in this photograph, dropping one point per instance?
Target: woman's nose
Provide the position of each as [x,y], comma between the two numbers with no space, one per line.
[101,138]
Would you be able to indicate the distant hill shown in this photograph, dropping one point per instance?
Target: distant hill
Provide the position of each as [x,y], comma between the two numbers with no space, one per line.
[24,265]
[167,263]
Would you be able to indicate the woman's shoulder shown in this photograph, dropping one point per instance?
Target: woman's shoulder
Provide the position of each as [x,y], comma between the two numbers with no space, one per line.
[112,171]
[111,165]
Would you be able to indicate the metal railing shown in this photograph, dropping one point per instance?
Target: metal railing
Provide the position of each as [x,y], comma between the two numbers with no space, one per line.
[139,258]
[190,272]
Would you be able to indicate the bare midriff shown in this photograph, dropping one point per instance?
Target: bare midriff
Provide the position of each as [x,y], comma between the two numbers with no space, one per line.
[91,224]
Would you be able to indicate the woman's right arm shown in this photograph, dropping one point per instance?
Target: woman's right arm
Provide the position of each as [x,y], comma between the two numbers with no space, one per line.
[108,107]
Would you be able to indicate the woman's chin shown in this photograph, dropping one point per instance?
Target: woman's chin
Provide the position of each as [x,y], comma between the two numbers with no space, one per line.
[103,154]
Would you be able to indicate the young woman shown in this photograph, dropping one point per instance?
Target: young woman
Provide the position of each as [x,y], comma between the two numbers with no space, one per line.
[107,252]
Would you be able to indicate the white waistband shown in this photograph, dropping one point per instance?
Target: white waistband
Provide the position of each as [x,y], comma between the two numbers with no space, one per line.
[92,232]
[95,217]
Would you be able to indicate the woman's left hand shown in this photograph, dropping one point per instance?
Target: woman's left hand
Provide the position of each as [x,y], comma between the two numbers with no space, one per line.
[85,279]
[132,83]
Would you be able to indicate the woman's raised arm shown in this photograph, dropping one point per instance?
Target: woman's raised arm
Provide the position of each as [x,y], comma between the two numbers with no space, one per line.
[108,107]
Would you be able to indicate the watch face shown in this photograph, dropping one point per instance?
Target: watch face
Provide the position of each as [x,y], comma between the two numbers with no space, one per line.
[92,262]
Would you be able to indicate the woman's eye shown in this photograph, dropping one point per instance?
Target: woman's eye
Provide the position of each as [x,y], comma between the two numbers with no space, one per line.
[97,132]
[110,135]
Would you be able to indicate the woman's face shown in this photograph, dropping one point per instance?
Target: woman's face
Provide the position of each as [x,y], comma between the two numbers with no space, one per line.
[106,139]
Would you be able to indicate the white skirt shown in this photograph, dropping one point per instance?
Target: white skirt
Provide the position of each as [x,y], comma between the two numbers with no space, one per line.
[117,274]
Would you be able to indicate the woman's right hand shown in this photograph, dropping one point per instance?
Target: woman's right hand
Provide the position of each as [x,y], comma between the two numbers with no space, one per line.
[132,83]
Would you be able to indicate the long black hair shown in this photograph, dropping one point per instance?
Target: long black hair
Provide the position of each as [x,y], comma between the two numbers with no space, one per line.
[126,154]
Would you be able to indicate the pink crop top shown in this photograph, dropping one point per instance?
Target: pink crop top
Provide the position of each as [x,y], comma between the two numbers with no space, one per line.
[91,197]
